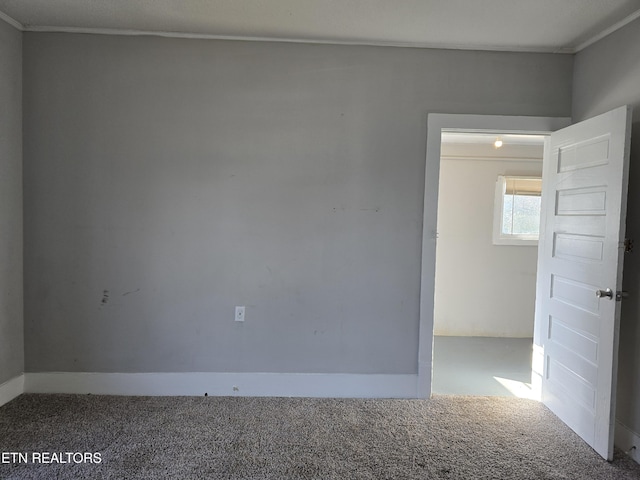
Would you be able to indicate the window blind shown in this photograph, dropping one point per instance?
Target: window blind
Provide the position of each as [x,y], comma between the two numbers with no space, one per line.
[523,186]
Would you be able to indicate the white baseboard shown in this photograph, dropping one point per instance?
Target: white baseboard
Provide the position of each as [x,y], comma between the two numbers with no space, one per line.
[11,389]
[626,439]
[226,384]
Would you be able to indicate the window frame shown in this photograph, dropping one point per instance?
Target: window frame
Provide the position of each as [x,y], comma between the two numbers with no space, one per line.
[500,238]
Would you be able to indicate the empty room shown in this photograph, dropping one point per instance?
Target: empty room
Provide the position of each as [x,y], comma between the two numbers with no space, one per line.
[221,229]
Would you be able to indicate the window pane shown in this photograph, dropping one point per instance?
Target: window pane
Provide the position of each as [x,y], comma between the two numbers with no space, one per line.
[526,215]
[507,215]
[520,200]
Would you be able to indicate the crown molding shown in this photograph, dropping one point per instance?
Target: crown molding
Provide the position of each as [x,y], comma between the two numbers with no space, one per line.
[11,21]
[367,43]
[607,31]
[372,43]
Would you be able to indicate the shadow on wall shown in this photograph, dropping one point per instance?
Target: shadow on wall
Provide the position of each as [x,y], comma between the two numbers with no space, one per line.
[629,351]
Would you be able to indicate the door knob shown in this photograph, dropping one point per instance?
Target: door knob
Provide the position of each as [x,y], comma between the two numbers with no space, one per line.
[608,293]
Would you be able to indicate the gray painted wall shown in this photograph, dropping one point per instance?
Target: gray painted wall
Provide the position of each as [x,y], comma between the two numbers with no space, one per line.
[607,75]
[11,320]
[168,180]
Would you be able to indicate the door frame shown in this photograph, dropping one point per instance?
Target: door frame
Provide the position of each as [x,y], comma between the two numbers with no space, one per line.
[436,122]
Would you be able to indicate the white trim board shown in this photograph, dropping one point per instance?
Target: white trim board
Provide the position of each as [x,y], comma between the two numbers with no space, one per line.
[490,159]
[226,384]
[628,441]
[11,389]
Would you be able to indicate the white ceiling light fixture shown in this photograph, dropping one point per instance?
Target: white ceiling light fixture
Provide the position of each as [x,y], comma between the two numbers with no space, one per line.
[498,143]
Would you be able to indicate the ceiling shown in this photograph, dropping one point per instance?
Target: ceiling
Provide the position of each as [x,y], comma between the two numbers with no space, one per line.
[513,25]
[481,146]
[490,138]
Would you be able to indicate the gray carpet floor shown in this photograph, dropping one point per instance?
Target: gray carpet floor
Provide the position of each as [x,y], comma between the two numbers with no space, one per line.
[447,437]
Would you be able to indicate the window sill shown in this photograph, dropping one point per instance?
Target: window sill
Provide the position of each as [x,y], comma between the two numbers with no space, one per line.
[514,241]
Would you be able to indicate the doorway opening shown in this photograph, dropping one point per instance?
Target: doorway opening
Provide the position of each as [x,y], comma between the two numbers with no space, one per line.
[486,257]
[436,123]
[579,267]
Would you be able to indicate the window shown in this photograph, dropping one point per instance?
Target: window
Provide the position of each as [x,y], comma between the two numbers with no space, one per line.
[517,211]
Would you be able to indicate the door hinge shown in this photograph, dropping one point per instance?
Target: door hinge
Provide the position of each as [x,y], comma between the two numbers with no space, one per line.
[628,245]
[621,295]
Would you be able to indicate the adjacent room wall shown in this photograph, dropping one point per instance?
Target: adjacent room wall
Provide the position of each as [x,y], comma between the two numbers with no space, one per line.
[169,180]
[607,75]
[11,320]
[482,289]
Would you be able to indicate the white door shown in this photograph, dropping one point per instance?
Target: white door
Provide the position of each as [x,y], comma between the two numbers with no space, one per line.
[580,270]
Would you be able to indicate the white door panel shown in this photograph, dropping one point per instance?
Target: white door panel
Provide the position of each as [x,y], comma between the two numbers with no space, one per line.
[580,252]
